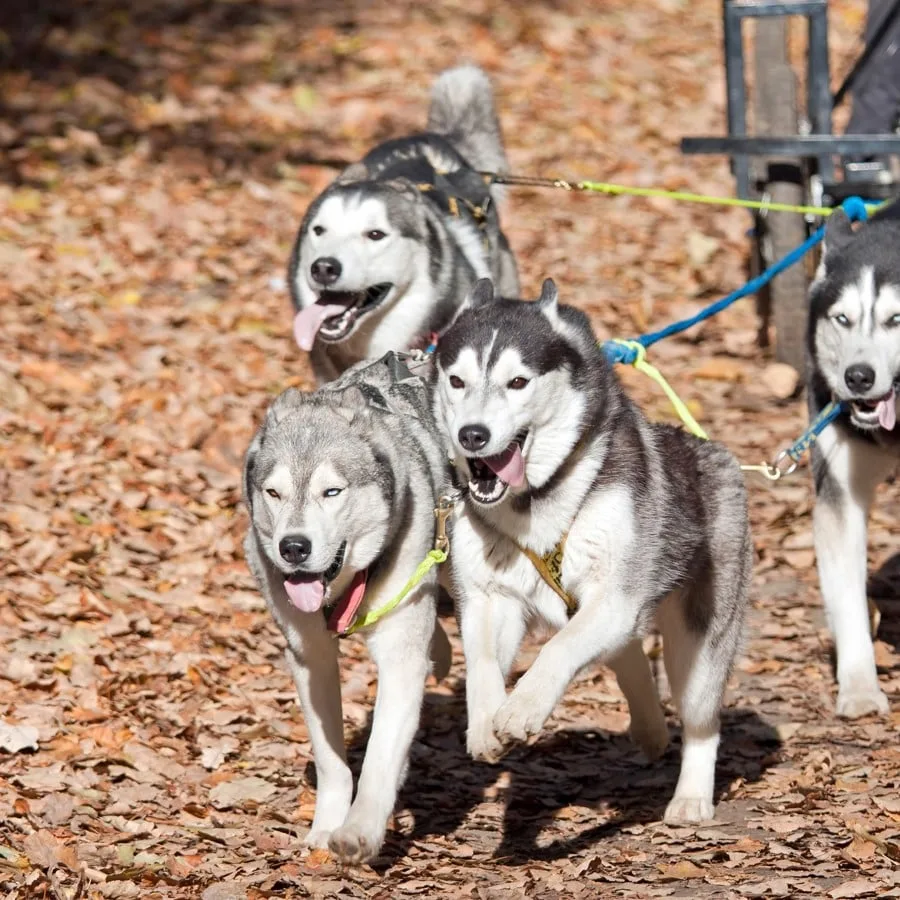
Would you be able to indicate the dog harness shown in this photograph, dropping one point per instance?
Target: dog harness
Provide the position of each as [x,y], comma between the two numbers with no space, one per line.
[388,385]
[549,567]
[437,171]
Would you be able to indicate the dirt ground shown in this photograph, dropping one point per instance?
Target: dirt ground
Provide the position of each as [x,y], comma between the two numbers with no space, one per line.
[155,160]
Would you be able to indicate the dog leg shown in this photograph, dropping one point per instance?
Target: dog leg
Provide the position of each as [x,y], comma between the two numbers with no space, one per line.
[600,630]
[318,683]
[847,473]
[648,727]
[698,664]
[400,649]
[492,629]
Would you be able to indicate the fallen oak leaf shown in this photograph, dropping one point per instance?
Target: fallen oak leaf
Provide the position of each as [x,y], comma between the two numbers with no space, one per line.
[45,851]
[858,887]
[890,849]
[228,794]
[681,870]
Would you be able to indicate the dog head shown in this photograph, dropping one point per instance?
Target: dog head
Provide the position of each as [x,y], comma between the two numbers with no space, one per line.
[318,494]
[855,319]
[360,248]
[514,389]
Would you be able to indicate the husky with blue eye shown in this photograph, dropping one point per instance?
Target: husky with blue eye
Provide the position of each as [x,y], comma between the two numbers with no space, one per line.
[584,516]
[341,485]
[854,357]
[384,257]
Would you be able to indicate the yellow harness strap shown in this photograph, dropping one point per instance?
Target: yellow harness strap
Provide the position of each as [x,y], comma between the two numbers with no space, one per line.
[434,558]
[549,567]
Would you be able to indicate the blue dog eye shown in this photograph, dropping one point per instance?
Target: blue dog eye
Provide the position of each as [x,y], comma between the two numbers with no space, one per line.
[332,492]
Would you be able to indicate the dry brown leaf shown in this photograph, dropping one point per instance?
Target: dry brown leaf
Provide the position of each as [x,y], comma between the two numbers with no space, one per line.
[858,887]
[720,369]
[682,869]
[234,793]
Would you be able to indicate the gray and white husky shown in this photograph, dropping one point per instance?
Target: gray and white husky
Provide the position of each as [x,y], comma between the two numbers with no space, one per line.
[650,523]
[854,356]
[341,486]
[384,257]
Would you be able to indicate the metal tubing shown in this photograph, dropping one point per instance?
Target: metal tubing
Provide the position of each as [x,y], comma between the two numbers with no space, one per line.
[805,145]
[737,93]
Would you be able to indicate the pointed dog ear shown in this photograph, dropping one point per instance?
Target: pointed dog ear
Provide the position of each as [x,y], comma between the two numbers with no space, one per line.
[549,295]
[285,403]
[355,172]
[249,465]
[838,233]
[351,403]
[481,294]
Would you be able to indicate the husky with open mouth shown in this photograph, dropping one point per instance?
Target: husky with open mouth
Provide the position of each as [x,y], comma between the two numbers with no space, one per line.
[341,485]
[854,357]
[583,515]
[385,255]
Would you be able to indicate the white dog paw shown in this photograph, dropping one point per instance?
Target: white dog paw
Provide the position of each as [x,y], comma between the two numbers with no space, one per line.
[689,811]
[651,736]
[520,717]
[317,839]
[482,743]
[353,844]
[855,702]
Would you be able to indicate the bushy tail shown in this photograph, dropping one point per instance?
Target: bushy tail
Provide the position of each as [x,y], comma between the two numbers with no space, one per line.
[462,110]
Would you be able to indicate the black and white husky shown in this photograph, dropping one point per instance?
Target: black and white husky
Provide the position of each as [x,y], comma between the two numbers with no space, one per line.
[854,351]
[384,257]
[575,500]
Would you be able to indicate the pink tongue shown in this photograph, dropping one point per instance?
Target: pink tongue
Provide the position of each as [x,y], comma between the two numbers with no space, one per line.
[887,412]
[345,612]
[308,321]
[307,596]
[508,466]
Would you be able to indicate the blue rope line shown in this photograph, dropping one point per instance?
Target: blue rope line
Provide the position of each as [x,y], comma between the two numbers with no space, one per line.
[817,426]
[854,207]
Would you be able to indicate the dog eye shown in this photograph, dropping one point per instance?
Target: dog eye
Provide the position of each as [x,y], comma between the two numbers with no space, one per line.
[841,319]
[318,229]
[517,383]
[332,492]
[375,235]
[894,320]
[273,493]
[456,382]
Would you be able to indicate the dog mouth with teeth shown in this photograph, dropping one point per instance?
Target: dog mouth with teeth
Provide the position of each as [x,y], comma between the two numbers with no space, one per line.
[335,314]
[307,590]
[879,412]
[491,476]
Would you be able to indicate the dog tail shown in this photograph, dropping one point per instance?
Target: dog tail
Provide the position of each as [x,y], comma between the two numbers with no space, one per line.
[462,111]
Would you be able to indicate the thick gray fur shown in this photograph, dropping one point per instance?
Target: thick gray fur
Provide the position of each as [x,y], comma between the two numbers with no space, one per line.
[373,433]
[462,110]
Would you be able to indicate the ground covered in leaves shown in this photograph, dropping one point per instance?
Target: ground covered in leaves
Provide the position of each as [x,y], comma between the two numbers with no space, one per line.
[155,159]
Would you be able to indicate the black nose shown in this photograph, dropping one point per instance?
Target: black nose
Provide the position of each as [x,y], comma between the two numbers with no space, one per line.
[473,437]
[326,270]
[294,549]
[859,378]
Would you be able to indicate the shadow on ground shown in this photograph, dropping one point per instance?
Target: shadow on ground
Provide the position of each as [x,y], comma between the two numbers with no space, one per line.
[884,589]
[584,771]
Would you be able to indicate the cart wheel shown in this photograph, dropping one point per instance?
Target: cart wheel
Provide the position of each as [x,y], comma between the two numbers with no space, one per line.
[781,181]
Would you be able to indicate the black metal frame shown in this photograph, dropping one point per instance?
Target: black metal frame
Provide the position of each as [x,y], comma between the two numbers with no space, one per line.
[821,146]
